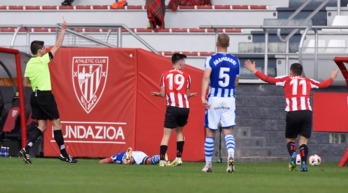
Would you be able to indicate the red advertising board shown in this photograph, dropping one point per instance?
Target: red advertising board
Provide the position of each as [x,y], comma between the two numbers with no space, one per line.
[330,112]
[105,103]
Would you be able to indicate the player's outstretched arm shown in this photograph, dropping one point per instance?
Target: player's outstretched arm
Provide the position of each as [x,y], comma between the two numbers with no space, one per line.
[328,82]
[334,74]
[250,66]
[161,93]
[189,94]
[60,40]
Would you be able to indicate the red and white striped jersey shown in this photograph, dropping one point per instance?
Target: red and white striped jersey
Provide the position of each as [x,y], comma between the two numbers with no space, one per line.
[296,89]
[176,83]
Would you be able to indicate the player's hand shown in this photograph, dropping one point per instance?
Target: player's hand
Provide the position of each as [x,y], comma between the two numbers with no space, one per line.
[64,25]
[334,74]
[250,65]
[205,103]
[158,94]
[192,94]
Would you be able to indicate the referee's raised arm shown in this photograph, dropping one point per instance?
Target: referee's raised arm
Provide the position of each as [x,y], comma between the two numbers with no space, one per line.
[60,40]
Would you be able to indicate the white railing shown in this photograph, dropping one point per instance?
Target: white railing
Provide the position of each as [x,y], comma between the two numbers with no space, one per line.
[112,28]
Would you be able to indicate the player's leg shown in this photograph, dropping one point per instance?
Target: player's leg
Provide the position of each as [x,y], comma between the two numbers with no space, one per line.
[179,147]
[212,119]
[182,116]
[106,160]
[208,149]
[305,133]
[230,146]
[291,146]
[304,153]
[164,145]
[291,133]
[169,124]
[228,116]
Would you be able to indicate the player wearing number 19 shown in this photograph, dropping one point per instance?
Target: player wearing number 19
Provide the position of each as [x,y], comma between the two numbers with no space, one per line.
[221,76]
[299,112]
[175,86]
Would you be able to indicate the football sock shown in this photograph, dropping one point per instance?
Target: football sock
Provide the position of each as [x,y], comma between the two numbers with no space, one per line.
[291,146]
[230,144]
[179,148]
[155,159]
[208,149]
[163,151]
[32,138]
[58,136]
[304,153]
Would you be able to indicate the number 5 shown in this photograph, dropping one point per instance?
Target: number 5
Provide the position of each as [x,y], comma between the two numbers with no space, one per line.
[224,76]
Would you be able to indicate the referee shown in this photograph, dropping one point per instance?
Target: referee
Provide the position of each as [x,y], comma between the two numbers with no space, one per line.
[43,104]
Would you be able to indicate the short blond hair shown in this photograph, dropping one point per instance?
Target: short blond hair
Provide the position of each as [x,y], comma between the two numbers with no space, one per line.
[223,41]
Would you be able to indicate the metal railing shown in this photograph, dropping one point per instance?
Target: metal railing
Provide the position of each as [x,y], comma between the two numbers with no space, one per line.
[300,53]
[111,29]
[293,15]
[317,32]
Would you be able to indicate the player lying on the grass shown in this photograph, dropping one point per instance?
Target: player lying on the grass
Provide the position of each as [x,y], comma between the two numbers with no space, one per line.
[132,157]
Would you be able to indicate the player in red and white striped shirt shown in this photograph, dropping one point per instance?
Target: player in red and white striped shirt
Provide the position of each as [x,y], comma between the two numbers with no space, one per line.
[175,86]
[299,111]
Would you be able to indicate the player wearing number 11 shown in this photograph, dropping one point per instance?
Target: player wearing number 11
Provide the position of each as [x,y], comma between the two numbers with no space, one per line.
[175,86]
[299,112]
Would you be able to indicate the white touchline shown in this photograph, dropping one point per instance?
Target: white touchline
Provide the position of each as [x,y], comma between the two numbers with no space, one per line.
[104,142]
[86,122]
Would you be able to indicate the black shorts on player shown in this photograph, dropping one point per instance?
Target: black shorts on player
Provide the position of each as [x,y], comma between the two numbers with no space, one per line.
[298,123]
[176,117]
[43,106]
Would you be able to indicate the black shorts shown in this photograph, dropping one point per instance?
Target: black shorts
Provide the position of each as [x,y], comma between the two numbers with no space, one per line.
[176,117]
[298,123]
[43,106]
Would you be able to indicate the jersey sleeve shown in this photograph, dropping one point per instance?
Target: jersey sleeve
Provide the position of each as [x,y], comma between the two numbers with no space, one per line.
[46,58]
[162,80]
[324,84]
[238,68]
[279,81]
[207,63]
[26,73]
[188,81]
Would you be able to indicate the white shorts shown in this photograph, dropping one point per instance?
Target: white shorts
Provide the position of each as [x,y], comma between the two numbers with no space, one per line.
[223,111]
[139,157]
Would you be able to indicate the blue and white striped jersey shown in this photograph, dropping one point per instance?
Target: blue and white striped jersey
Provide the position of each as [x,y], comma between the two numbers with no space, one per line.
[225,69]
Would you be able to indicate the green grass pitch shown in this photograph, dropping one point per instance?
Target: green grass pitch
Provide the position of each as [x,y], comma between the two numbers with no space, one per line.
[50,175]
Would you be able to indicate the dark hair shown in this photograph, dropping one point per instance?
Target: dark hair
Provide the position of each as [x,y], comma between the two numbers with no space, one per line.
[223,41]
[176,57]
[296,68]
[36,45]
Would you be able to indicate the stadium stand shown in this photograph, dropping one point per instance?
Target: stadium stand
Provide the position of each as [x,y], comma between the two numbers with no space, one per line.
[183,26]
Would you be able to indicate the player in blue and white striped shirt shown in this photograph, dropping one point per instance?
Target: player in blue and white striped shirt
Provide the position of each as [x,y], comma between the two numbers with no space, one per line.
[221,76]
[133,157]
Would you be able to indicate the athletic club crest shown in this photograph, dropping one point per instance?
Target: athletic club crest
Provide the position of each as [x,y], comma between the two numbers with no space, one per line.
[89,76]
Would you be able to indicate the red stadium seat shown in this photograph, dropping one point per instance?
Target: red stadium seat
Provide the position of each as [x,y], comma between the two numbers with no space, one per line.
[10,121]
